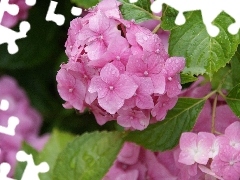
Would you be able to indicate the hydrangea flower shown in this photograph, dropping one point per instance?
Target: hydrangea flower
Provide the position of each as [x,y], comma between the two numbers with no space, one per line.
[10,20]
[118,69]
[15,104]
[134,162]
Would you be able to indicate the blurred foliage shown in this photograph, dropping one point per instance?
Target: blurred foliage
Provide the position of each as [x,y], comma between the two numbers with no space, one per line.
[35,67]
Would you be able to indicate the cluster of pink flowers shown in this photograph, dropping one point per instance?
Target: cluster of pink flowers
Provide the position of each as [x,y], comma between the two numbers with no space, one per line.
[136,163]
[118,69]
[199,155]
[14,104]
[10,20]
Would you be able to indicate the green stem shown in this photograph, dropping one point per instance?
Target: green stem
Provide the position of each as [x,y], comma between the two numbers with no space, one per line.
[221,94]
[214,113]
[156,17]
[210,94]
[155,30]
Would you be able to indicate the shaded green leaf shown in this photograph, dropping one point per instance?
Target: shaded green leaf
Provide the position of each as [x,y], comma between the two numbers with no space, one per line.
[222,79]
[139,11]
[233,100]
[85,4]
[186,78]
[54,146]
[88,156]
[204,54]
[165,135]
[235,66]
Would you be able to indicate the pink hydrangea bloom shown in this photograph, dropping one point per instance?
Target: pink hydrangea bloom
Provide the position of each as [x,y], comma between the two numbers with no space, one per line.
[195,147]
[112,88]
[134,162]
[118,67]
[227,163]
[14,103]
[10,20]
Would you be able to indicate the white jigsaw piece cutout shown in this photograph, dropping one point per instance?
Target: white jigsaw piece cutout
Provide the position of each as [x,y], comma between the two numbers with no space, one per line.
[10,129]
[7,35]
[31,171]
[59,19]
[210,10]
[4,170]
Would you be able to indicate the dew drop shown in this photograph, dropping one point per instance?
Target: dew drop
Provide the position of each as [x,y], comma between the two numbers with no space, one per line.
[157,51]
[142,123]
[70,90]
[169,78]
[145,73]
[145,38]
[179,86]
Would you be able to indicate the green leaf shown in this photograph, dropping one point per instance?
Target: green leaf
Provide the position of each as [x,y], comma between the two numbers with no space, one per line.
[52,149]
[20,167]
[235,66]
[165,135]
[85,4]
[233,100]
[186,78]
[204,54]
[223,79]
[139,11]
[88,156]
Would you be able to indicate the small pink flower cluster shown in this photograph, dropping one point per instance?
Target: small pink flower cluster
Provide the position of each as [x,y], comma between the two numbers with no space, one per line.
[15,105]
[216,156]
[118,69]
[200,155]
[10,20]
[136,163]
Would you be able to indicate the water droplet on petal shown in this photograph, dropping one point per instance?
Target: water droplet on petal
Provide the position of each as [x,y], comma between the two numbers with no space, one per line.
[145,73]
[157,51]
[145,38]
[142,123]
[70,90]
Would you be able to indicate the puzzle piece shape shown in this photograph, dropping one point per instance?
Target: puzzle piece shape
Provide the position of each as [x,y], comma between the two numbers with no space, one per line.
[4,105]
[10,129]
[4,170]
[9,36]
[30,2]
[51,16]
[31,171]
[76,11]
[210,10]
[12,9]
